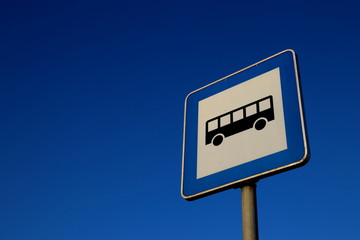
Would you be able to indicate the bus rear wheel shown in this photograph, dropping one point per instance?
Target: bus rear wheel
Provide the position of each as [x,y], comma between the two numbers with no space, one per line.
[260,124]
[217,140]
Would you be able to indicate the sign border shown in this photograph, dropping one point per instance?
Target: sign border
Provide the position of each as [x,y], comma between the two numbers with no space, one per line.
[238,183]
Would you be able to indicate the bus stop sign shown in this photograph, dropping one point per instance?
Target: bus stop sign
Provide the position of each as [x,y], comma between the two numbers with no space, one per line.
[244,127]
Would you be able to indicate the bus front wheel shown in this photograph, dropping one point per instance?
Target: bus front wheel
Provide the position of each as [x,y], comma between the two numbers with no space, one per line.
[260,124]
[217,140]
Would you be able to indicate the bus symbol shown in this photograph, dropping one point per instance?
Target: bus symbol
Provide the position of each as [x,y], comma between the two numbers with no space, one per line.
[252,115]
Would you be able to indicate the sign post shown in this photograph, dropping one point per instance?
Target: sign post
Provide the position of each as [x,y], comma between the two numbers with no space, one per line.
[249,212]
[244,127]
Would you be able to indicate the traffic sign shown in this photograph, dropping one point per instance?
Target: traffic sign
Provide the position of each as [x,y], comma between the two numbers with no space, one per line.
[244,127]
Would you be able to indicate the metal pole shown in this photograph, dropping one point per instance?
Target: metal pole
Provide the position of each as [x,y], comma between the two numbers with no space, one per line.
[249,212]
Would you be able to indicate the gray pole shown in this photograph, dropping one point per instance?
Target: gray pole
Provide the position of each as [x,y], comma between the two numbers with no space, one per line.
[249,212]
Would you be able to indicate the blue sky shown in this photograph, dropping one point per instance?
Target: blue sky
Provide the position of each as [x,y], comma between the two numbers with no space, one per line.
[91,103]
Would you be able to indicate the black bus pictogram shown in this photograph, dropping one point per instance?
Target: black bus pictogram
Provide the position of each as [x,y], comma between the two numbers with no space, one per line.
[252,115]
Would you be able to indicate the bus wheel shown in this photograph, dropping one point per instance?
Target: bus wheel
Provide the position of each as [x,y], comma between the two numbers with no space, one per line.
[260,124]
[217,140]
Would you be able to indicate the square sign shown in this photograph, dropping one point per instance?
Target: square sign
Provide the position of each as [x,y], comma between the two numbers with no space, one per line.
[244,127]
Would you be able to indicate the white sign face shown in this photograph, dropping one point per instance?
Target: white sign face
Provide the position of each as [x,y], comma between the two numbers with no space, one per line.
[241,124]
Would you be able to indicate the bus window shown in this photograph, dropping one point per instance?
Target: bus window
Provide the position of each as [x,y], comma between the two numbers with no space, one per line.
[238,115]
[212,125]
[251,110]
[225,120]
[264,104]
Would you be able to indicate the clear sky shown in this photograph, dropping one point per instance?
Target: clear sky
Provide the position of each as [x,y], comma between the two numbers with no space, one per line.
[91,110]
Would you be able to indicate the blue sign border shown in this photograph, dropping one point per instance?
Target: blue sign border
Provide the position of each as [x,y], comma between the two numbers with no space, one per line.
[295,155]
